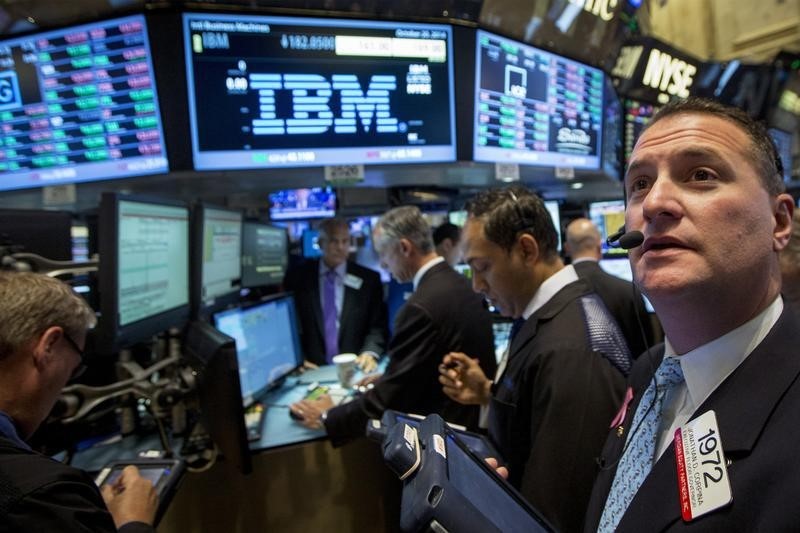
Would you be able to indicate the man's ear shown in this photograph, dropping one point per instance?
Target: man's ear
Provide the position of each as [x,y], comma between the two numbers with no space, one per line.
[405,247]
[44,346]
[784,209]
[528,247]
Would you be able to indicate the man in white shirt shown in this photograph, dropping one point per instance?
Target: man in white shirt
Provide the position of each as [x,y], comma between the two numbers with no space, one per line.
[704,188]
[564,374]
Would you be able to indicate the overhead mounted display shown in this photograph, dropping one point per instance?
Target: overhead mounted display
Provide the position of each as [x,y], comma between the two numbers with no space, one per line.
[281,91]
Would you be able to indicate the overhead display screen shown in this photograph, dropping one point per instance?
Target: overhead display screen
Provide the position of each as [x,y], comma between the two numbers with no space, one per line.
[280,91]
[79,104]
[535,108]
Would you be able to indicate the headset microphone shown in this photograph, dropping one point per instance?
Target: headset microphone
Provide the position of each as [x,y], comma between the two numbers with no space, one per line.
[631,239]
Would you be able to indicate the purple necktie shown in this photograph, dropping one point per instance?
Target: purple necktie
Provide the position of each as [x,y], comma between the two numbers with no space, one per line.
[329,314]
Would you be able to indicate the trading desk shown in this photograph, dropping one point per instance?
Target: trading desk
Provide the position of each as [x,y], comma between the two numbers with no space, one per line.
[299,481]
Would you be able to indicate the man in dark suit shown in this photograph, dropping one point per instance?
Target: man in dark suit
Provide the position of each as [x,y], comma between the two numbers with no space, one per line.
[584,246]
[442,315]
[707,439]
[563,376]
[353,320]
[43,325]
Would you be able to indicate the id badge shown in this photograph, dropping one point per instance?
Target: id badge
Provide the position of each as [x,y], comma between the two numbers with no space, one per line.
[703,484]
[352,281]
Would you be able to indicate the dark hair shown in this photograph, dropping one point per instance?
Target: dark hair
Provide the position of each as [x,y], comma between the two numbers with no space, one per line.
[507,212]
[447,230]
[762,150]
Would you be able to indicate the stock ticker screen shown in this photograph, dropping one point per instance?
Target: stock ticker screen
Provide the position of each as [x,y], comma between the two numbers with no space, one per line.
[535,108]
[79,104]
[281,91]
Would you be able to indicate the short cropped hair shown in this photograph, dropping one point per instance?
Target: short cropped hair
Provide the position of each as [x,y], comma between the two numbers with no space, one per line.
[329,225]
[30,303]
[448,230]
[510,211]
[762,150]
[405,222]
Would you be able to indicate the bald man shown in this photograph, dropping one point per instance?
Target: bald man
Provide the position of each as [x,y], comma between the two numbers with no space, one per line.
[584,244]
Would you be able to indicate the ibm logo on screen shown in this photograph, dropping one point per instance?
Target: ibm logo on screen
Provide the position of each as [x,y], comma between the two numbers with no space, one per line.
[311,112]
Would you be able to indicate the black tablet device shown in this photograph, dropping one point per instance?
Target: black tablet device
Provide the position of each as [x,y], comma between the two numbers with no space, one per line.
[449,488]
[165,474]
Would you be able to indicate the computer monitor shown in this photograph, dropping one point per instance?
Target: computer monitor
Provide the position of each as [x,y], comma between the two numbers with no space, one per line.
[311,248]
[637,116]
[270,91]
[217,257]
[555,214]
[79,104]
[608,216]
[265,254]
[267,343]
[317,202]
[533,107]
[459,218]
[621,268]
[212,355]
[45,233]
[144,268]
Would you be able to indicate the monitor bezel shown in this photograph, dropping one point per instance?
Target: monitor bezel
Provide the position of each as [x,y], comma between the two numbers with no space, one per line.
[255,224]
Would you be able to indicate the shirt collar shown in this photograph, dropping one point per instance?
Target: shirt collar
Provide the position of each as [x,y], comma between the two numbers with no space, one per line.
[340,270]
[550,288]
[705,367]
[9,431]
[584,260]
[427,266]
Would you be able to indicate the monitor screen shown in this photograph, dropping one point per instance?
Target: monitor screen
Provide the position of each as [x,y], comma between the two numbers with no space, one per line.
[608,217]
[212,355]
[459,218]
[555,214]
[79,104]
[311,249]
[265,254]
[783,142]
[535,108]
[621,268]
[281,91]
[144,273]
[612,131]
[637,116]
[218,240]
[45,233]
[267,343]
[317,202]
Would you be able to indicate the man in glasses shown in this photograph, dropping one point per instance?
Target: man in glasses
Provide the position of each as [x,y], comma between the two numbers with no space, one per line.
[43,326]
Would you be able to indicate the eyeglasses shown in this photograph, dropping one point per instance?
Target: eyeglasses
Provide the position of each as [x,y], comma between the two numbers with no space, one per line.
[81,368]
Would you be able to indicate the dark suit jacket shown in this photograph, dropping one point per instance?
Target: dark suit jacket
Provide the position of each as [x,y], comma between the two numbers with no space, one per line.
[362,324]
[443,315]
[623,305]
[550,411]
[39,494]
[757,409]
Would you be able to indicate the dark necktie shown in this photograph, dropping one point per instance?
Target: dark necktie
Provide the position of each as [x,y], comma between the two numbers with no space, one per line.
[329,315]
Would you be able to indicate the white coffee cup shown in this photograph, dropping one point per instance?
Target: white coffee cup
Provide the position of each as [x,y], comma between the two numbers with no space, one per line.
[345,368]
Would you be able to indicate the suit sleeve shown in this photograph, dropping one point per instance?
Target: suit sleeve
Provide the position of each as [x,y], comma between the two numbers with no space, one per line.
[375,339]
[412,368]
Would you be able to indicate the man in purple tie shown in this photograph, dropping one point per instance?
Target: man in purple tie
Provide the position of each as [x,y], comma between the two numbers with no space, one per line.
[339,303]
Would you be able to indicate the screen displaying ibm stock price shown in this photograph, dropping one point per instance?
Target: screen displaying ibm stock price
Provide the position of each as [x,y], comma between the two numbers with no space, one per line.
[79,104]
[535,108]
[280,91]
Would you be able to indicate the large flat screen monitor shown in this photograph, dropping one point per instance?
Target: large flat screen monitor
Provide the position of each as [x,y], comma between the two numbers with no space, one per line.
[291,204]
[637,116]
[212,355]
[267,343]
[265,254]
[79,104]
[783,142]
[535,108]
[144,268]
[45,233]
[608,216]
[217,252]
[282,92]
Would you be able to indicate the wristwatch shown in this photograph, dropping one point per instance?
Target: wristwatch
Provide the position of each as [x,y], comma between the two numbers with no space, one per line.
[323,416]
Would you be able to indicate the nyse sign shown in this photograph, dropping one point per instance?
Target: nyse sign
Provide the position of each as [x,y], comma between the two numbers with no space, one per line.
[668,74]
